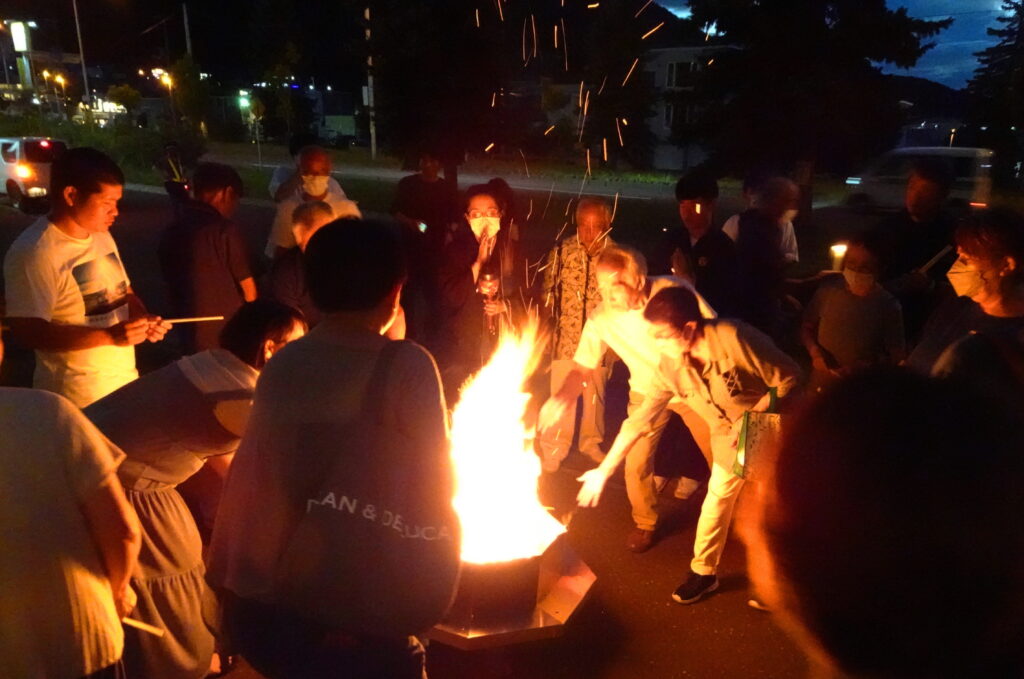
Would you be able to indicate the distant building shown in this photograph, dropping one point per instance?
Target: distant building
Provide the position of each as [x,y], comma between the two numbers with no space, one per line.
[672,72]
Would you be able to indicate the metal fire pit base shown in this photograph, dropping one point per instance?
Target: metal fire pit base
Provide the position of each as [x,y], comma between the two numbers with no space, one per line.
[562,584]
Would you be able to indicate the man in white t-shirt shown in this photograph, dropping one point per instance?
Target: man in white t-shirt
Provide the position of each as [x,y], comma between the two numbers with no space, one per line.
[68,296]
[315,172]
[618,324]
[70,541]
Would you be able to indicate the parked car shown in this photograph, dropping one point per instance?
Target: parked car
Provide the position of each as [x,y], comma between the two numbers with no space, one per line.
[883,184]
[25,163]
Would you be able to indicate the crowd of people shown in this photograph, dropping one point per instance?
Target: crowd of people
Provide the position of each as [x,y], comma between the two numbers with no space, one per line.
[883,536]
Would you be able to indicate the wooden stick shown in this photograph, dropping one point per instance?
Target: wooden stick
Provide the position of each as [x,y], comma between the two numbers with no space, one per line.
[935,260]
[196,319]
[138,624]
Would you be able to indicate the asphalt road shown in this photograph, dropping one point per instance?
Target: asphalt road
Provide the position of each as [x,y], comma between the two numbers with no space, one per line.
[628,627]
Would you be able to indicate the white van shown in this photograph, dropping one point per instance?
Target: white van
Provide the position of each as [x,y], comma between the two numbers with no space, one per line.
[25,167]
[883,184]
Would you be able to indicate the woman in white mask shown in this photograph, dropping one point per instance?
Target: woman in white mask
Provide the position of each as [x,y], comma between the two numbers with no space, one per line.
[472,299]
[988,279]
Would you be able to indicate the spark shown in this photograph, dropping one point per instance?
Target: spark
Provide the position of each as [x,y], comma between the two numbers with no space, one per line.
[525,166]
[586,104]
[593,5]
[533,24]
[652,31]
[530,213]
[550,193]
[712,61]
[489,147]
[618,128]
[556,36]
[549,130]
[588,163]
[524,40]
[565,41]
[580,98]
[494,99]
[501,14]
[646,5]
[625,122]
[615,208]
[698,208]
[631,69]
[477,13]
[601,88]
[604,148]
[583,125]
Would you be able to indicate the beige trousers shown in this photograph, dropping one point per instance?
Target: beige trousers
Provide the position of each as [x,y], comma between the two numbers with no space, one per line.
[639,471]
[555,443]
[716,512]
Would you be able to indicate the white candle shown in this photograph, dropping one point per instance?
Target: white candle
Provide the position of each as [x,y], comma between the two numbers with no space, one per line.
[838,255]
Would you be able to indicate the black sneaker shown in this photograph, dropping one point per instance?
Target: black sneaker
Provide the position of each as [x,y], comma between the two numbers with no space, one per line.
[694,588]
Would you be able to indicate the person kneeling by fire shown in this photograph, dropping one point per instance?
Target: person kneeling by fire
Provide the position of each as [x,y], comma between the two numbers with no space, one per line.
[721,369]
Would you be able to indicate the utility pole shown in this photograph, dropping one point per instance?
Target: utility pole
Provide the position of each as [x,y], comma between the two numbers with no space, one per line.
[81,55]
[369,90]
[188,34]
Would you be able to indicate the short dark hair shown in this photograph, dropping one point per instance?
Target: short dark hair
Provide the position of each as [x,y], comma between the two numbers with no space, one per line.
[992,234]
[85,169]
[876,242]
[892,528]
[934,170]
[256,322]
[352,264]
[676,306]
[480,190]
[213,177]
[697,185]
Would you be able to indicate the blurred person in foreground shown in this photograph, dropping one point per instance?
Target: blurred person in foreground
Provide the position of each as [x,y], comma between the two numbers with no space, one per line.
[70,541]
[67,293]
[204,257]
[322,383]
[314,171]
[618,324]
[720,369]
[889,542]
[171,423]
[571,294]
[988,278]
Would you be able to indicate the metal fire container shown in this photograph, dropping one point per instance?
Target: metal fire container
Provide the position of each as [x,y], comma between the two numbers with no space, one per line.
[513,602]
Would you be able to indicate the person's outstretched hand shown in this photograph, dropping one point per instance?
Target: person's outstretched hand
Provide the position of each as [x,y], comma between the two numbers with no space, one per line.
[551,413]
[593,485]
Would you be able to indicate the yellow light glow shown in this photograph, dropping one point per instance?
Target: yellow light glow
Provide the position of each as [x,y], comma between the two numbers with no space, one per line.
[23,171]
[496,470]
[838,255]
[489,147]
[697,208]
[59,79]
[167,81]
[46,75]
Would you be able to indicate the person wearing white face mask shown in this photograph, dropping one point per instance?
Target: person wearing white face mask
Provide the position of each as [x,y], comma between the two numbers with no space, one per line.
[852,322]
[314,173]
[988,278]
[472,299]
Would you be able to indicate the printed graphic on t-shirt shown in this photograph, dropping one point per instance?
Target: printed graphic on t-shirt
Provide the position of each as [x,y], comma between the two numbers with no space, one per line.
[103,286]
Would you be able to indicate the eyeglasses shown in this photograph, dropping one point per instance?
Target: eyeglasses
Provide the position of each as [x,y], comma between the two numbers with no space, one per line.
[476,214]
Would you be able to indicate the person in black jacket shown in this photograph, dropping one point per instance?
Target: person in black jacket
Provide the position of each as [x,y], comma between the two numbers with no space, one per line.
[700,252]
[473,297]
[204,259]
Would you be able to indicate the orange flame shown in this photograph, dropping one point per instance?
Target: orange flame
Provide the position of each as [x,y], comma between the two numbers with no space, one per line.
[496,470]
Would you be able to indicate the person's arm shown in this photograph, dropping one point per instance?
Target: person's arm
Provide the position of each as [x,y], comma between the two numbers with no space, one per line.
[40,335]
[634,426]
[221,464]
[589,354]
[115,530]
[248,286]
[768,362]
[809,333]
[283,185]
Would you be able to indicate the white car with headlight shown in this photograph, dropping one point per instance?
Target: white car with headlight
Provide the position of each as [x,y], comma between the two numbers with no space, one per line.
[25,163]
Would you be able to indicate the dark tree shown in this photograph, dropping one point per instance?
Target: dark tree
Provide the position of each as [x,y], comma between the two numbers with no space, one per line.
[997,90]
[797,84]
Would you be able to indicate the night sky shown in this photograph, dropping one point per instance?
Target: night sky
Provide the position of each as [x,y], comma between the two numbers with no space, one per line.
[951,61]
